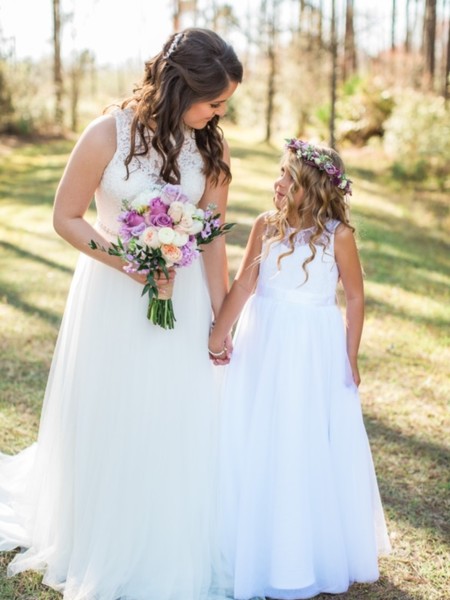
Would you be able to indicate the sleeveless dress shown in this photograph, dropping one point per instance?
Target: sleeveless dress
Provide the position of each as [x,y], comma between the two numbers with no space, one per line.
[114,500]
[299,508]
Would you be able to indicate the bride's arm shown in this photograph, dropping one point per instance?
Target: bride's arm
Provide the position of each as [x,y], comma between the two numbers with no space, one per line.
[81,177]
[214,254]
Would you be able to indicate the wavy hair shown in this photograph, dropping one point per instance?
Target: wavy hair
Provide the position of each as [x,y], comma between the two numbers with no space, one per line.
[322,201]
[195,65]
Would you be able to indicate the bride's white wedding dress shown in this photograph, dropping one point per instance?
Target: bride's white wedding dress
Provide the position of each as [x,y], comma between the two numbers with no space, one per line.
[113,501]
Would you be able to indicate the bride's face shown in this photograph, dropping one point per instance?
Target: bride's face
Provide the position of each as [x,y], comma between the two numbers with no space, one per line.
[200,113]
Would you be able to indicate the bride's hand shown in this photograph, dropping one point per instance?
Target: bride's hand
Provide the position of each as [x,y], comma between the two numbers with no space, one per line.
[164,283]
[161,280]
[222,355]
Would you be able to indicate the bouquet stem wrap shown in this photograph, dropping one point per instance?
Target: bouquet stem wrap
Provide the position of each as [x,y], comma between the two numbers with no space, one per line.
[160,309]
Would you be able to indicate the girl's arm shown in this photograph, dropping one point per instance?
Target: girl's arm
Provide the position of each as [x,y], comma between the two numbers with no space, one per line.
[214,254]
[242,288]
[350,271]
[80,179]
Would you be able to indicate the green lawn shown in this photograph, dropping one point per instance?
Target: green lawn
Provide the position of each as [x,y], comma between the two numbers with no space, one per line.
[405,353]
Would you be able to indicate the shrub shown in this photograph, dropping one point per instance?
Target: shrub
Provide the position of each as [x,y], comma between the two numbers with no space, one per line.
[418,138]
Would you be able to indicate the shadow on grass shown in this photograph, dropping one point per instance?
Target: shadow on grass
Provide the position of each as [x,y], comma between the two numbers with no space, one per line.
[405,255]
[14,298]
[26,255]
[428,507]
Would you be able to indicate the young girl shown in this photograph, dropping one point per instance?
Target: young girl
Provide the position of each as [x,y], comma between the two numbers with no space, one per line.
[300,511]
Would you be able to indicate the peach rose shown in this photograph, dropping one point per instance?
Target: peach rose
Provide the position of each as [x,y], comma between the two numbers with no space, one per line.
[171,253]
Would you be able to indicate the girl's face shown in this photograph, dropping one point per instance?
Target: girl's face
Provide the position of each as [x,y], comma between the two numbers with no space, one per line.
[282,186]
[200,113]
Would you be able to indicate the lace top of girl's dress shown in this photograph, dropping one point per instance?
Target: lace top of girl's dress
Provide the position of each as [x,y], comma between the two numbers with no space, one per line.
[289,278]
[144,174]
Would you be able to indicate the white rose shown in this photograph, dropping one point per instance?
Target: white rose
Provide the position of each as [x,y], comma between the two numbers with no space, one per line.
[185,224]
[199,212]
[196,227]
[176,210]
[166,235]
[180,238]
[149,237]
[189,209]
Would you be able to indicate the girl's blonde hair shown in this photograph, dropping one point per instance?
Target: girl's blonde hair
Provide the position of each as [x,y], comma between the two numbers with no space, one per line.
[322,201]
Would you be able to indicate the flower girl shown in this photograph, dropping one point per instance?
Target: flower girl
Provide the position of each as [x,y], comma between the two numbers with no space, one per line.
[300,512]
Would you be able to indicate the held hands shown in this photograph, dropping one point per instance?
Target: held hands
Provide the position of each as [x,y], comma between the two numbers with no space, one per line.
[220,351]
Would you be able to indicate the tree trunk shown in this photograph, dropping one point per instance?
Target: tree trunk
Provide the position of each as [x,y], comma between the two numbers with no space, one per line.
[446,93]
[349,43]
[270,87]
[393,24]
[57,65]
[333,75]
[429,41]
[407,28]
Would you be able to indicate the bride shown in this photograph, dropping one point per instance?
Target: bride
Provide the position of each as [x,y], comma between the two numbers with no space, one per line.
[114,499]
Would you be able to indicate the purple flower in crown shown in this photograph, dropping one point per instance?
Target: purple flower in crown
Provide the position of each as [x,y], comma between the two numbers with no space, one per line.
[320,160]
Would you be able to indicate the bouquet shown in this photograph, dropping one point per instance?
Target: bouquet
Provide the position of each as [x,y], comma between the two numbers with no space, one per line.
[161,229]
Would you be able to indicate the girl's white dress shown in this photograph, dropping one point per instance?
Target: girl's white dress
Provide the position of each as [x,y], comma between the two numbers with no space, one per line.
[114,500]
[299,507]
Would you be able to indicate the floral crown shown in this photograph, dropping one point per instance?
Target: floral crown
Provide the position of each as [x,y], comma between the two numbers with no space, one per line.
[310,155]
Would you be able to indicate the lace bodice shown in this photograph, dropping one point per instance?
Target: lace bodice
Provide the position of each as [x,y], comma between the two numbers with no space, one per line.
[290,278]
[144,174]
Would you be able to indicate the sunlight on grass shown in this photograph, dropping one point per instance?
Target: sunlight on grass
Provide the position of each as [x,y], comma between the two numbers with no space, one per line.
[405,352]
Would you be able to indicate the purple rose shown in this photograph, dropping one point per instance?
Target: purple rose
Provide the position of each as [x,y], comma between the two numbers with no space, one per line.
[161,220]
[157,207]
[131,219]
[172,192]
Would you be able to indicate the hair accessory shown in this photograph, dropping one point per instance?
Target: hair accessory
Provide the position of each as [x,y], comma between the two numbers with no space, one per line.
[174,45]
[310,155]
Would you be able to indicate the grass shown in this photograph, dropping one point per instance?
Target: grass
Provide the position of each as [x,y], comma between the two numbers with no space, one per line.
[405,353]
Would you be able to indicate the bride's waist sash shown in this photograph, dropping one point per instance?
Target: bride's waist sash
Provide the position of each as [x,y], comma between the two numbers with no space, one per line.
[296,296]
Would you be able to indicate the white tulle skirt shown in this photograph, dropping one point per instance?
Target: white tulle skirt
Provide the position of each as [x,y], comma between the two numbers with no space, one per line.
[299,507]
[114,500]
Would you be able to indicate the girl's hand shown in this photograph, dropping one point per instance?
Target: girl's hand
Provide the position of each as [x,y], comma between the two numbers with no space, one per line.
[219,352]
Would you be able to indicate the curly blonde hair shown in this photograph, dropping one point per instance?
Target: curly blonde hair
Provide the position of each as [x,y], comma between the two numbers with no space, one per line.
[322,201]
[195,65]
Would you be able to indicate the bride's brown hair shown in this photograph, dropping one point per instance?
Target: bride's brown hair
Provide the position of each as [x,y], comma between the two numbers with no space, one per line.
[195,65]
